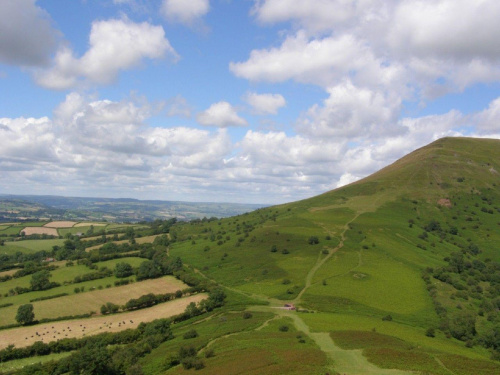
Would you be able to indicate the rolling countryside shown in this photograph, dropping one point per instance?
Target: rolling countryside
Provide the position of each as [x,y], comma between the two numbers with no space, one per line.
[398,273]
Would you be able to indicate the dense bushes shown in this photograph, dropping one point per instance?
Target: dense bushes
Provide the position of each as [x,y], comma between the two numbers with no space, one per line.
[48,297]
[101,274]
[158,266]
[472,279]
[158,329]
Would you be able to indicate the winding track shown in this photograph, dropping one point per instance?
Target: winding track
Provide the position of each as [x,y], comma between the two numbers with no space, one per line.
[346,362]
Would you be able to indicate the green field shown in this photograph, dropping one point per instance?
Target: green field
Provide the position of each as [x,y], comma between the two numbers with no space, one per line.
[373,246]
[395,274]
[20,363]
[12,230]
[30,246]
[95,295]
[64,276]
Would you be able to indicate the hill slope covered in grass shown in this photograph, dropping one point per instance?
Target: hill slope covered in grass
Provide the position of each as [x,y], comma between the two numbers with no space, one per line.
[411,253]
[396,274]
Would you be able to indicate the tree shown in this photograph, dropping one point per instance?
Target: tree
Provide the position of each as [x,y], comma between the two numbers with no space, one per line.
[123,269]
[25,314]
[463,326]
[148,270]
[130,233]
[92,359]
[40,280]
[313,240]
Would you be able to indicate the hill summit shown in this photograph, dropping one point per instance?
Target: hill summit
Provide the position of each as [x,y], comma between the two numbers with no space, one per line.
[415,244]
[396,274]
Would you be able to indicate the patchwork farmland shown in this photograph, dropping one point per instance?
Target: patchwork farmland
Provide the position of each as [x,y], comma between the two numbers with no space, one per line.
[383,277]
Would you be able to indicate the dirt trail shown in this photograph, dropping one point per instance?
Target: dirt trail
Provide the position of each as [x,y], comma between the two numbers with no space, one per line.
[321,261]
[346,362]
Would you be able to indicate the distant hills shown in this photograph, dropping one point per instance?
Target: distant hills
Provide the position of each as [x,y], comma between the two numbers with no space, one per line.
[398,273]
[34,207]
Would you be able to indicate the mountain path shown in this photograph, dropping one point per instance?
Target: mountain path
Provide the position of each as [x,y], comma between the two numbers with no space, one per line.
[346,362]
[321,261]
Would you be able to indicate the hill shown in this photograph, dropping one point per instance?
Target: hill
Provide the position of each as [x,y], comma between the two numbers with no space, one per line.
[51,207]
[415,244]
[398,273]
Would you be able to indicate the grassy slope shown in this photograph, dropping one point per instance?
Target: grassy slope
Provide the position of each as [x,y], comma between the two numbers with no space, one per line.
[376,270]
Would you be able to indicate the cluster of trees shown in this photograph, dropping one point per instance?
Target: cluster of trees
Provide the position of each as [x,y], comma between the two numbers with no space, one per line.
[28,268]
[159,265]
[100,274]
[107,353]
[476,280]
[110,353]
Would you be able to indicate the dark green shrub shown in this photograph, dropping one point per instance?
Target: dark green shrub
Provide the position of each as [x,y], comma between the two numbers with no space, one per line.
[191,334]
[284,328]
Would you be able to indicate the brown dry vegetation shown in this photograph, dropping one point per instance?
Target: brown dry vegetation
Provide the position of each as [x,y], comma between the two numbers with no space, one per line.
[9,272]
[444,202]
[96,237]
[86,224]
[60,224]
[48,332]
[84,303]
[40,230]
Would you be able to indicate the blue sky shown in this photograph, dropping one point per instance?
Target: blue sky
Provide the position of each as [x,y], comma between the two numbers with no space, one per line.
[261,101]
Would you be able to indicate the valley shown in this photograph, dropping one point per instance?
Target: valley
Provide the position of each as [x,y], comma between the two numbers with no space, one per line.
[398,273]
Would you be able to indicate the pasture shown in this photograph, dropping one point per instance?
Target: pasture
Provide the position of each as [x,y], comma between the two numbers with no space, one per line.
[253,345]
[28,231]
[139,240]
[60,224]
[414,336]
[32,246]
[91,301]
[12,230]
[86,224]
[25,336]
[18,364]
[265,353]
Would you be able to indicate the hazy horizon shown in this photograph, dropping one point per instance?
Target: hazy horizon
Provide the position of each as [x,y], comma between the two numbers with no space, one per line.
[263,101]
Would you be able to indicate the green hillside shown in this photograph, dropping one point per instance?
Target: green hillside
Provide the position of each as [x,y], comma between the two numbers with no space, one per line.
[411,252]
[396,274]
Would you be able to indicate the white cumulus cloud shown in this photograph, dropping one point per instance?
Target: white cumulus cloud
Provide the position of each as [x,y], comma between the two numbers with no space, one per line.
[185,12]
[352,112]
[265,103]
[221,114]
[115,45]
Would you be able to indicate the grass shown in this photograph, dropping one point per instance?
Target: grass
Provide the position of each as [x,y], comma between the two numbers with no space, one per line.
[25,336]
[415,336]
[20,363]
[388,352]
[83,303]
[74,230]
[12,230]
[34,223]
[239,349]
[139,240]
[375,254]
[410,360]
[209,328]
[32,246]
[367,339]
[466,366]
[63,275]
